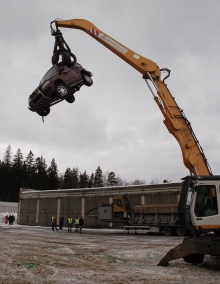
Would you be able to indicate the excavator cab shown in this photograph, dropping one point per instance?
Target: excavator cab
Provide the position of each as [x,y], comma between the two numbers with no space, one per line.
[121,206]
[206,201]
[117,210]
[198,212]
[199,204]
[121,203]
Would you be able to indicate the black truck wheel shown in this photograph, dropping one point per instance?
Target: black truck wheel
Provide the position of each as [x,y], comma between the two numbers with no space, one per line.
[167,231]
[180,232]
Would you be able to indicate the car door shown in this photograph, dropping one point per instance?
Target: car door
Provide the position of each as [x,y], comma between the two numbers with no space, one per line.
[71,75]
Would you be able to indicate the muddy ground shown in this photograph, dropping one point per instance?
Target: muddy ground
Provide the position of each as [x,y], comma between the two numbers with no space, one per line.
[39,255]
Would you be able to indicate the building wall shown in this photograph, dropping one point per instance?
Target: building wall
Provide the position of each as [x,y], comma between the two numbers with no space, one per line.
[37,207]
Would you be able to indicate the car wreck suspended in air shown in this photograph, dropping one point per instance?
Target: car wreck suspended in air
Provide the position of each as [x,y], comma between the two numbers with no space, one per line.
[60,82]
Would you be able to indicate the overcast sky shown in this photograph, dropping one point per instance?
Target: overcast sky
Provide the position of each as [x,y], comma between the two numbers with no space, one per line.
[115,124]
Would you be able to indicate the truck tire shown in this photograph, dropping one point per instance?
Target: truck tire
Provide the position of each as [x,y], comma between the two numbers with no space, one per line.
[167,231]
[180,232]
[195,258]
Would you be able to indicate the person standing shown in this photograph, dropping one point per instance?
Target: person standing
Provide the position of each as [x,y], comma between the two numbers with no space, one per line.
[61,222]
[81,223]
[10,220]
[6,219]
[54,223]
[69,224]
[76,223]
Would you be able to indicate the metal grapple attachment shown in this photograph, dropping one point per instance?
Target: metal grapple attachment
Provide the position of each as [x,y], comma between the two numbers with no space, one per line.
[62,52]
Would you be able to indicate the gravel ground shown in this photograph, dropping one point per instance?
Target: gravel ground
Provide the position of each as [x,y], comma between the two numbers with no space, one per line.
[39,255]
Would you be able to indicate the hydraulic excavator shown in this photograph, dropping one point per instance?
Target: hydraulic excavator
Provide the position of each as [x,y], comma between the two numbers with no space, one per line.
[198,208]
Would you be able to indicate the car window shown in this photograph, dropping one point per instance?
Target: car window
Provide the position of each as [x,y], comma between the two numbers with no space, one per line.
[50,73]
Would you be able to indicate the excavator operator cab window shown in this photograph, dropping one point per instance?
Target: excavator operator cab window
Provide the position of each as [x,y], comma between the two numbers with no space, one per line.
[206,201]
[118,202]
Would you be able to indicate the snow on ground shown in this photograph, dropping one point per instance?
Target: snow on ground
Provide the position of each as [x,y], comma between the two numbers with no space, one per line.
[36,255]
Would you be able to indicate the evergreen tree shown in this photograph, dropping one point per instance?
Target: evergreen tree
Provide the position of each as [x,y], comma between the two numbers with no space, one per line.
[8,156]
[33,173]
[91,181]
[112,180]
[98,180]
[83,180]
[53,180]
[68,178]
[30,170]
[18,159]
[5,178]
[61,180]
[6,193]
[41,179]
[30,162]
[17,174]
[75,178]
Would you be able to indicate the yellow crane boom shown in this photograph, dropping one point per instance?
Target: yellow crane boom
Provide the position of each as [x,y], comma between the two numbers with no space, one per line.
[174,118]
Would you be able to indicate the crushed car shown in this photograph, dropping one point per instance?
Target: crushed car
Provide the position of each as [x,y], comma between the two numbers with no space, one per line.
[58,84]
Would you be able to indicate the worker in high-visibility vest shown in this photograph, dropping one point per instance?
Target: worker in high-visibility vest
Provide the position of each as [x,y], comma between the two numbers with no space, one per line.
[54,223]
[76,224]
[69,224]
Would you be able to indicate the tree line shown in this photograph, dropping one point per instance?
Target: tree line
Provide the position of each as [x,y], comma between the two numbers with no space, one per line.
[18,172]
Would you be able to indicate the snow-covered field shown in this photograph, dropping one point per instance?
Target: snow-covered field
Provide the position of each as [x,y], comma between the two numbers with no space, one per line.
[39,255]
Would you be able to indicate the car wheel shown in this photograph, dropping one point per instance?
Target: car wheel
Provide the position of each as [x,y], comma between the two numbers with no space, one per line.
[44,111]
[70,99]
[87,80]
[62,91]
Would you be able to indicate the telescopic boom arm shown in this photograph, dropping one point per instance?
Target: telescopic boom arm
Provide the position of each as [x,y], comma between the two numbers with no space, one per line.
[174,117]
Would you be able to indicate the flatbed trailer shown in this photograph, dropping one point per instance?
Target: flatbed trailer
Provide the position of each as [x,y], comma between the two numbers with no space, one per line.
[141,228]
